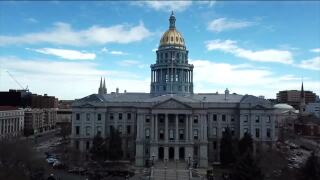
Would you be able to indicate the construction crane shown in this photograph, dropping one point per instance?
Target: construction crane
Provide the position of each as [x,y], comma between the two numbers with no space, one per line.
[12,77]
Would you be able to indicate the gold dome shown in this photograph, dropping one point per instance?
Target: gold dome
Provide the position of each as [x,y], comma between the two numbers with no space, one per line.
[172,36]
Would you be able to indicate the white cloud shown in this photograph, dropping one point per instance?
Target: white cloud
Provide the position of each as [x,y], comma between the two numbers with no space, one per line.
[32,20]
[64,34]
[117,53]
[132,63]
[105,50]
[267,55]
[66,80]
[67,54]
[163,5]
[313,64]
[316,50]
[244,79]
[224,24]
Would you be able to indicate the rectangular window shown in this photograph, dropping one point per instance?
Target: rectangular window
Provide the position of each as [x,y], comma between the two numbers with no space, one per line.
[257,119]
[88,116]
[195,134]
[120,116]
[88,131]
[77,116]
[245,130]
[99,117]
[195,119]
[77,144]
[77,130]
[215,117]
[111,129]
[129,116]
[128,129]
[224,117]
[232,132]
[111,116]
[88,145]
[171,134]
[214,131]
[214,145]
[120,129]
[99,130]
[161,134]
[181,134]
[268,119]
[161,119]
[232,118]
[147,119]
[246,118]
[268,132]
[257,132]
[147,133]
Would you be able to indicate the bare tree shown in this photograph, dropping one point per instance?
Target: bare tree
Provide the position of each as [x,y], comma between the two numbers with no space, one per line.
[18,160]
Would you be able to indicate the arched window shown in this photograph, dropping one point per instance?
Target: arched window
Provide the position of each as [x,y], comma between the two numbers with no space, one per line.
[177,39]
[171,38]
[167,39]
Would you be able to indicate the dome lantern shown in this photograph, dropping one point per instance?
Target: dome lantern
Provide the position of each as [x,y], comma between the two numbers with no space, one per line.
[172,21]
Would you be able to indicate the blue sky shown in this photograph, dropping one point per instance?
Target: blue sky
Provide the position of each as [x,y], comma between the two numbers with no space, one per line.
[63,48]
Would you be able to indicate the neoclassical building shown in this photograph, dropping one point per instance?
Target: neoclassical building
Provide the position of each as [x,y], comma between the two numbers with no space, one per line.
[171,122]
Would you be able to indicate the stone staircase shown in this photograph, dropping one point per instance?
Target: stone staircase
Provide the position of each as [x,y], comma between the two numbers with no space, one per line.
[172,171]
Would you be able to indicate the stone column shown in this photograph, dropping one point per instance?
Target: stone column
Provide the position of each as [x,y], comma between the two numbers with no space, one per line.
[166,129]
[205,128]
[176,152]
[156,129]
[177,128]
[152,127]
[166,153]
[139,144]
[186,131]
[190,127]
[151,76]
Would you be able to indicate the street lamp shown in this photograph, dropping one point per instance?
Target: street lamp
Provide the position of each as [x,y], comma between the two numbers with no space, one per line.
[153,158]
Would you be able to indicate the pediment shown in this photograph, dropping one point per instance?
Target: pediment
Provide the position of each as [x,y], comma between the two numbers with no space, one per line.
[172,104]
[258,106]
[87,105]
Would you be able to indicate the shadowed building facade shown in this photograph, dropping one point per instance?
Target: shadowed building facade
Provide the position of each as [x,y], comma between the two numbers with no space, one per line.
[171,122]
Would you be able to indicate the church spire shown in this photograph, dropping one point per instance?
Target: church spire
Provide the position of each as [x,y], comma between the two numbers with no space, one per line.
[302,100]
[104,86]
[100,83]
[302,91]
[172,21]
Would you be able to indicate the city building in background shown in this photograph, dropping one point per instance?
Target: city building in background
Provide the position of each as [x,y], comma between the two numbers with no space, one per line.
[172,122]
[314,108]
[292,97]
[11,121]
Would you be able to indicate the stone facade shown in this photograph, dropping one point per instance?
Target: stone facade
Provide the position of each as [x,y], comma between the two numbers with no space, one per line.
[11,121]
[171,122]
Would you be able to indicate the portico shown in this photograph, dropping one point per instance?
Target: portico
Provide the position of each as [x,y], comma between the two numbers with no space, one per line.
[171,135]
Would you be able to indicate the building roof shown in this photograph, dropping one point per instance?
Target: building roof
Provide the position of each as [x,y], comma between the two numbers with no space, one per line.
[193,98]
[8,108]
